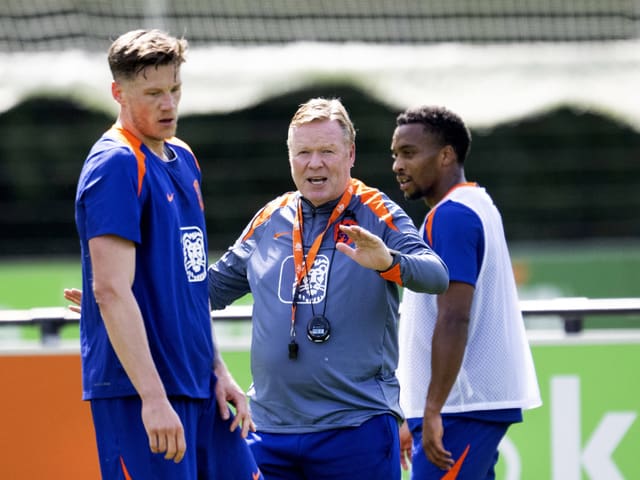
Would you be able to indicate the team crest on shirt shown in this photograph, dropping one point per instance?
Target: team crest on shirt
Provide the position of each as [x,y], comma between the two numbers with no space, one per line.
[313,287]
[341,237]
[194,254]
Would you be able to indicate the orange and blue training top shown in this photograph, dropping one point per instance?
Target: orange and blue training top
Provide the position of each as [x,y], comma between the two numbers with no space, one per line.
[350,377]
[126,190]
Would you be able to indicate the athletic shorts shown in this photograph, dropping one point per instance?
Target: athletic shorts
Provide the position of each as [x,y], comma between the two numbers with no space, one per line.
[370,451]
[213,452]
[480,436]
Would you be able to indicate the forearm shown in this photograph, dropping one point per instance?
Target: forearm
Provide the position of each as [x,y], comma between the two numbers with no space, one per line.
[448,346]
[128,338]
[113,260]
[424,272]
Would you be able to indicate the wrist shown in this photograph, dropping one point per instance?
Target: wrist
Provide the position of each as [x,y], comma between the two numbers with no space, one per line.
[395,259]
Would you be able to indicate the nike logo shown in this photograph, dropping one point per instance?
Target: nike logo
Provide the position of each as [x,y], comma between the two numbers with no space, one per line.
[280,234]
[453,473]
[170,197]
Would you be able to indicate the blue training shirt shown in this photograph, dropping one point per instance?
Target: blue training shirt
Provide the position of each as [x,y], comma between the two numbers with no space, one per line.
[126,190]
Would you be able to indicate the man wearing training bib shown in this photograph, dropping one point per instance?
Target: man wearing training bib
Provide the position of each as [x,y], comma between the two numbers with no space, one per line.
[465,368]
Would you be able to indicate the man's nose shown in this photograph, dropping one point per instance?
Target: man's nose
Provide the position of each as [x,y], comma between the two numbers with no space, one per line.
[315,160]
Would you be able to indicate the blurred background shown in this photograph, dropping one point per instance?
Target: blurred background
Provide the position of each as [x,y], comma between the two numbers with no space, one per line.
[549,90]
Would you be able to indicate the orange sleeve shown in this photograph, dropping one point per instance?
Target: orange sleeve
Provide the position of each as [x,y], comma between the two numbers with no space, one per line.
[392,274]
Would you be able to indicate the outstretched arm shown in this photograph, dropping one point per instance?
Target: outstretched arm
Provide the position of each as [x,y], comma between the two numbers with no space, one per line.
[370,251]
[420,270]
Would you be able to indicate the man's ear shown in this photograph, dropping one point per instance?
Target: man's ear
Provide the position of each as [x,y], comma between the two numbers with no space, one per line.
[116,92]
[448,155]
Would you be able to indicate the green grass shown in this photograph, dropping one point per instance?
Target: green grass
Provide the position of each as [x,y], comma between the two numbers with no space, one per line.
[30,283]
[37,283]
[589,270]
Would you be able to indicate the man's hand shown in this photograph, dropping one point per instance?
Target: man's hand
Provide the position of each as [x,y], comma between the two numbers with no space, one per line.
[73,295]
[432,433]
[370,251]
[229,392]
[164,429]
[406,446]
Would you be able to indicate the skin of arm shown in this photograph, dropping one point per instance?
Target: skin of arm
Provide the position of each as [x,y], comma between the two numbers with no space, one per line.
[113,264]
[448,347]
[229,392]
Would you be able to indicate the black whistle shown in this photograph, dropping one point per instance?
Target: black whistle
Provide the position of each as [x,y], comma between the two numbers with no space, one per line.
[293,350]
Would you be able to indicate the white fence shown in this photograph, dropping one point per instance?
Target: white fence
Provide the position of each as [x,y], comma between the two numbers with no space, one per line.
[572,311]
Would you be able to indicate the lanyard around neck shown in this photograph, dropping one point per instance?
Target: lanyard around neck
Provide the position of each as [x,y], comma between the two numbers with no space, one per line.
[303,265]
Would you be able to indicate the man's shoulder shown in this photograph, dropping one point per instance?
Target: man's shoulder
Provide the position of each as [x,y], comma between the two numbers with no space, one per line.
[109,152]
[454,210]
[272,209]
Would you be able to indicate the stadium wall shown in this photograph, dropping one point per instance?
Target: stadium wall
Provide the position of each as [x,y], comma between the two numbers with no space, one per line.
[587,427]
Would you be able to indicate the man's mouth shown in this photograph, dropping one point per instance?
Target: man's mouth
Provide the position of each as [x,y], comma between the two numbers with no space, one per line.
[402,181]
[317,180]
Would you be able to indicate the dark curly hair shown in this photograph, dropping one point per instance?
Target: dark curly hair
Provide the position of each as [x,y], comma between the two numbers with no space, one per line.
[443,124]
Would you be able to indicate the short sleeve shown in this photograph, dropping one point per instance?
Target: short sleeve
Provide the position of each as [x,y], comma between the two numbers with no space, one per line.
[109,194]
[458,238]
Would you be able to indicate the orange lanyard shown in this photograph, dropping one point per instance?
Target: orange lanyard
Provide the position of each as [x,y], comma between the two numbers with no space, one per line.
[302,265]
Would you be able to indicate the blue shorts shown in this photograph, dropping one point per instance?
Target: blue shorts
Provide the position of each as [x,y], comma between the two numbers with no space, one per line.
[481,436]
[370,451]
[213,452]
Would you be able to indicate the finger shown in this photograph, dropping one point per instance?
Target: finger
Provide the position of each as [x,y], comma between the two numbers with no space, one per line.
[72,296]
[442,459]
[445,455]
[162,443]
[235,423]
[153,443]
[224,409]
[181,446]
[172,448]
[74,308]
[405,459]
[352,231]
[73,292]
[246,425]
[356,231]
[346,249]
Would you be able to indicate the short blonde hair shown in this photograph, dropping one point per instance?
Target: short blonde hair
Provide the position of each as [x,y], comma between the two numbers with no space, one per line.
[133,51]
[323,109]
